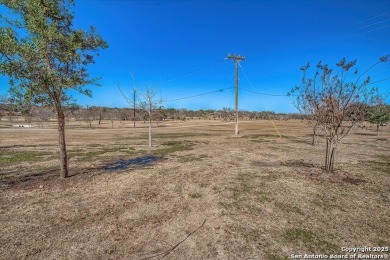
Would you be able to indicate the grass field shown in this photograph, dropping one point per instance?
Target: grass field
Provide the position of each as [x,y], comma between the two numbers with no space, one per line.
[209,195]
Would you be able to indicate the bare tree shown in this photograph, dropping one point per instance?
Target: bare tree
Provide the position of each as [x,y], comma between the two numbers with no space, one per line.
[227,114]
[181,114]
[148,105]
[41,114]
[112,115]
[334,101]
[88,116]
[158,115]
[99,113]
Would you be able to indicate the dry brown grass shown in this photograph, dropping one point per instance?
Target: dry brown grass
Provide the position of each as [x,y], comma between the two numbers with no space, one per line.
[262,197]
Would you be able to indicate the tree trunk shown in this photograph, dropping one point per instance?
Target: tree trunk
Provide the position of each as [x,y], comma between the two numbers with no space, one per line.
[150,125]
[327,154]
[377,127]
[62,144]
[330,155]
[315,136]
[112,124]
[332,158]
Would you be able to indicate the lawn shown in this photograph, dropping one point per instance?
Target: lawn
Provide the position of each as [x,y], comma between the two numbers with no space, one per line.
[208,195]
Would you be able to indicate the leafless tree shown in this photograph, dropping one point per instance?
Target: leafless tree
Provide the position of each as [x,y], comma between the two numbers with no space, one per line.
[148,105]
[41,114]
[227,114]
[112,115]
[99,113]
[334,100]
[88,116]
[181,114]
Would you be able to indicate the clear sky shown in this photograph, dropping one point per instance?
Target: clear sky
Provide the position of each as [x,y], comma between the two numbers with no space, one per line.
[179,47]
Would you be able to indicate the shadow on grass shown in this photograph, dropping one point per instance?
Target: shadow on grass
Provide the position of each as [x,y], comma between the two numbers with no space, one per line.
[14,178]
[146,160]
[367,134]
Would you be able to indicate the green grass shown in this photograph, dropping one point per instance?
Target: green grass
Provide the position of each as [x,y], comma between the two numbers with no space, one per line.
[12,157]
[174,146]
[311,241]
[195,195]
[275,256]
[189,158]
[81,154]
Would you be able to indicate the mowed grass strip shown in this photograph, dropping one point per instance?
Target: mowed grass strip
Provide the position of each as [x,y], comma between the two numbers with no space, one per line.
[88,154]
[174,146]
[13,157]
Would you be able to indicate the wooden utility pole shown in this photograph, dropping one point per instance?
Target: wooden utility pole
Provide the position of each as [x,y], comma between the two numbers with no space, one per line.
[132,79]
[134,108]
[236,59]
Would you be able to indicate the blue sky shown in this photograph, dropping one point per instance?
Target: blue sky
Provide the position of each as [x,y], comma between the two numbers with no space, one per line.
[179,47]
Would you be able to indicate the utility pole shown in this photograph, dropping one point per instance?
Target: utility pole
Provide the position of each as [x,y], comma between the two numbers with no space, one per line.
[132,79]
[134,108]
[237,59]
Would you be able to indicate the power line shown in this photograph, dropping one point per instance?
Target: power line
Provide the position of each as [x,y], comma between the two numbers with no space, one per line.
[265,94]
[198,95]
[372,18]
[382,21]
[373,30]
[379,81]
[255,92]
[246,76]
[194,72]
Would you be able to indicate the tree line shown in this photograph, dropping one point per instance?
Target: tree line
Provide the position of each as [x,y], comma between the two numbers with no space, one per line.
[96,114]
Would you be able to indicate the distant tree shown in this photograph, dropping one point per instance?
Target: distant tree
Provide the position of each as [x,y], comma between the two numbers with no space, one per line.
[227,114]
[380,115]
[88,115]
[335,103]
[44,56]
[113,115]
[22,103]
[41,114]
[170,112]
[158,114]
[5,103]
[10,105]
[181,114]
[2,106]
[101,113]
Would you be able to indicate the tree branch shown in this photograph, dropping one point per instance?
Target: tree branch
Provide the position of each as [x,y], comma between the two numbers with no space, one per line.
[163,254]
